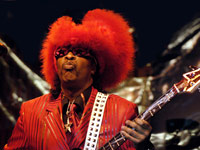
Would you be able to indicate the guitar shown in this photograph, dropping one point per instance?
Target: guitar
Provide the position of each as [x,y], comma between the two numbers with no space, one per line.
[189,83]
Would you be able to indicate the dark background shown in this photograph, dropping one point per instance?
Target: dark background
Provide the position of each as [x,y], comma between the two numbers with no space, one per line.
[155,23]
[26,22]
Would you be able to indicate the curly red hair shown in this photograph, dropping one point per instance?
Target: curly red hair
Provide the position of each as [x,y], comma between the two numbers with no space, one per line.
[105,32]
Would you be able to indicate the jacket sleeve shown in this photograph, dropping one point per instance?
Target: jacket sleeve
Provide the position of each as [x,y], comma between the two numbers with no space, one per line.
[131,113]
[18,139]
[146,144]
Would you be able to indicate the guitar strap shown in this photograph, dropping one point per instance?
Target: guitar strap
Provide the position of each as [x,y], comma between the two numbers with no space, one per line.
[95,121]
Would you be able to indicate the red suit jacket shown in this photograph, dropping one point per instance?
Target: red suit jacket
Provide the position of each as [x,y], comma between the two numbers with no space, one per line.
[40,126]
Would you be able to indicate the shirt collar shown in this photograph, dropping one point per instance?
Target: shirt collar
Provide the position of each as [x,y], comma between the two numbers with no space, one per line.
[79,100]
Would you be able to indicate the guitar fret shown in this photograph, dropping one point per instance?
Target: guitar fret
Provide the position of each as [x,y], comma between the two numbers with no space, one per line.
[177,90]
[151,113]
[122,137]
[116,141]
[159,106]
[104,147]
[110,146]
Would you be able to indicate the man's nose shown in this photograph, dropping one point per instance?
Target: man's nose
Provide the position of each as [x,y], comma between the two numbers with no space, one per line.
[70,56]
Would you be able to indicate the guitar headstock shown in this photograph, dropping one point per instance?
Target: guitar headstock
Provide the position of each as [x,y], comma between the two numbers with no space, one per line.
[190,81]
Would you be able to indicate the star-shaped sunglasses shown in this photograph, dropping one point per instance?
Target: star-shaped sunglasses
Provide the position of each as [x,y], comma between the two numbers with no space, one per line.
[80,52]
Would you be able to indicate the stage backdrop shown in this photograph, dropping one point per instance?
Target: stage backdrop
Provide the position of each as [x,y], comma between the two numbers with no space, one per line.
[175,127]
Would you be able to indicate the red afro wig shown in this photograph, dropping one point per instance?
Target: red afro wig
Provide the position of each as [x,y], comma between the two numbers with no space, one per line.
[105,32]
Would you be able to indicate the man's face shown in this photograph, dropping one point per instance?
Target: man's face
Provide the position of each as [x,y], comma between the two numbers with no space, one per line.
[75,70]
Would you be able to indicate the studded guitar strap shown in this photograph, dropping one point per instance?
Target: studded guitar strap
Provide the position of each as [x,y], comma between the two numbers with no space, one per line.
[95,121]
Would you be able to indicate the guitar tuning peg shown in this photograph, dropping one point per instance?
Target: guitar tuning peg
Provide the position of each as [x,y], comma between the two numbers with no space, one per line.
[193,67]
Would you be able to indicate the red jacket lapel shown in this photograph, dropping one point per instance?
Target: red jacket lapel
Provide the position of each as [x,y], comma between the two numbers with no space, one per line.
[54,122]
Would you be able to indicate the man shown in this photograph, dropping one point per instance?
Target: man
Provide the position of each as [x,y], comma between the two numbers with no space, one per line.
[78,61]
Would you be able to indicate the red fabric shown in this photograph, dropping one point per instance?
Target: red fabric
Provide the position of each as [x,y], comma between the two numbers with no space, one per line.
[40,125]
[74,118]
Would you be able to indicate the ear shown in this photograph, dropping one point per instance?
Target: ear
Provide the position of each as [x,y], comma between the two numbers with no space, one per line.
[93,69]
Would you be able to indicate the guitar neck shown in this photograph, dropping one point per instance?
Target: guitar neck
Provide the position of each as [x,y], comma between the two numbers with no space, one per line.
[119,139]
[159,104]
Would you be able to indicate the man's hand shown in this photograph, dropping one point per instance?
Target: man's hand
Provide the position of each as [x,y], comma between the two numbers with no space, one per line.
[137,130]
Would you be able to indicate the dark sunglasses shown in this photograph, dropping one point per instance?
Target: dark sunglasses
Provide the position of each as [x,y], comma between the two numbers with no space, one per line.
[60,52]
